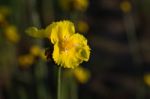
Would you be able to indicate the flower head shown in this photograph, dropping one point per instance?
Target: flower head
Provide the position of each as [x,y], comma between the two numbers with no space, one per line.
[70,48]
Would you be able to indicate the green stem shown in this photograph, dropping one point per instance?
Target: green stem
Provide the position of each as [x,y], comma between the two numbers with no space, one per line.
[59,84]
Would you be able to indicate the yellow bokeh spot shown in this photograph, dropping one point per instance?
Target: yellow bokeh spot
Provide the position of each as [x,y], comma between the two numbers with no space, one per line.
[35,50]
[11,34]
[25,61]
[81,74]
[147,79]
[68,5]
[81,5]
[126,6]
[4,10]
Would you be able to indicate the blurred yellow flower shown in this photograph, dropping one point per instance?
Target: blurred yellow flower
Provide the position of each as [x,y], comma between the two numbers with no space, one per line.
[37,51]
[26,61]
[11,34]
[82,26]
[147,79]
[37,33]
[80,5]
[68,5]
[81,74]
[4,10]
[70,48]
[125,6]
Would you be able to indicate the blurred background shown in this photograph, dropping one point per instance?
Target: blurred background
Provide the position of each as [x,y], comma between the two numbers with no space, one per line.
[117,32]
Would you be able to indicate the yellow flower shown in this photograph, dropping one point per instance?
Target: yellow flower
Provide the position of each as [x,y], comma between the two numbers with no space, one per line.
[81,74]
[11,34]
[70,48]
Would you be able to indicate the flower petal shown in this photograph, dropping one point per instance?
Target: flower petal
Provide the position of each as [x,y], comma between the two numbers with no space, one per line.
[65,59]
[61,31]
[37,33]
[79,40]
[82,49]
[56,54]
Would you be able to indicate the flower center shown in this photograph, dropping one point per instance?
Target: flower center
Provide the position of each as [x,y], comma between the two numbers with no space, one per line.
[65,45]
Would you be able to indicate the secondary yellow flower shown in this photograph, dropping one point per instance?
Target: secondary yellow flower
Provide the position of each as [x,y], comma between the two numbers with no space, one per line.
[11,34]
[81,74]
[70,48]
[37,51]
